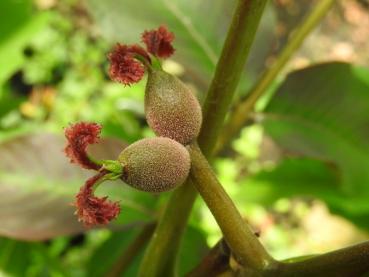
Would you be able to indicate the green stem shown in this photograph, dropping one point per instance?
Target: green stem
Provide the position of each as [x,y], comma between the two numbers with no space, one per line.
[350,261]
[132,251]
[243,109]
[229,69]
[160,257]
[241,239]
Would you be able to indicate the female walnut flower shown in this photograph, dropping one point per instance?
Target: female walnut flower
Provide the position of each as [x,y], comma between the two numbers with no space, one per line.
[159,42]
[153,165]
[91,210]
[79,136]
[94,210]
[125,64]
[128,62]
[171,109]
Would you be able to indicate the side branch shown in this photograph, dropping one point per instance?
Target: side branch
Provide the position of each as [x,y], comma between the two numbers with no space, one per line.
[243,109]
[350,261]
[241,239]
[160,257]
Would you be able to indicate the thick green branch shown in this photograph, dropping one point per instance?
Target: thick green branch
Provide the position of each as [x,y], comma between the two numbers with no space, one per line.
[242,110]
[241,239]
[171,225]
[229,69]
[160,256]
[350,261]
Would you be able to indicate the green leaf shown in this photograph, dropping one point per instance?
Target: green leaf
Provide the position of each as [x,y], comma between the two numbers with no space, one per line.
[8,102]
[293,177]
[113,248]
[38,184]
[19,25]
[322,112]
[193,249]
[15,257]
[304,177]
[18,258]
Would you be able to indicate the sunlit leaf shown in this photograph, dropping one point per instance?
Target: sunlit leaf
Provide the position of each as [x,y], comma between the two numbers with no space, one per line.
[293,177]
[322,112]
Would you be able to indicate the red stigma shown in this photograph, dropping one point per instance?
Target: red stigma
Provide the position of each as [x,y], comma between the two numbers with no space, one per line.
[92,210]
[79,136]
[159,42]
[124,66]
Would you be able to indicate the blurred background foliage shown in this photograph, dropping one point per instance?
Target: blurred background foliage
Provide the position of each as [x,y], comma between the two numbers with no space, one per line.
[297,171]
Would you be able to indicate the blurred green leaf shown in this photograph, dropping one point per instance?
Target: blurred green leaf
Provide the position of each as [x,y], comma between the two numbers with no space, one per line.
[19,25]
[113,248]
[9,102]
[293,177]
[304,177]
[198,38]
[193,249]
[15,257]
[38,184]
[322,112]
[18,258]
